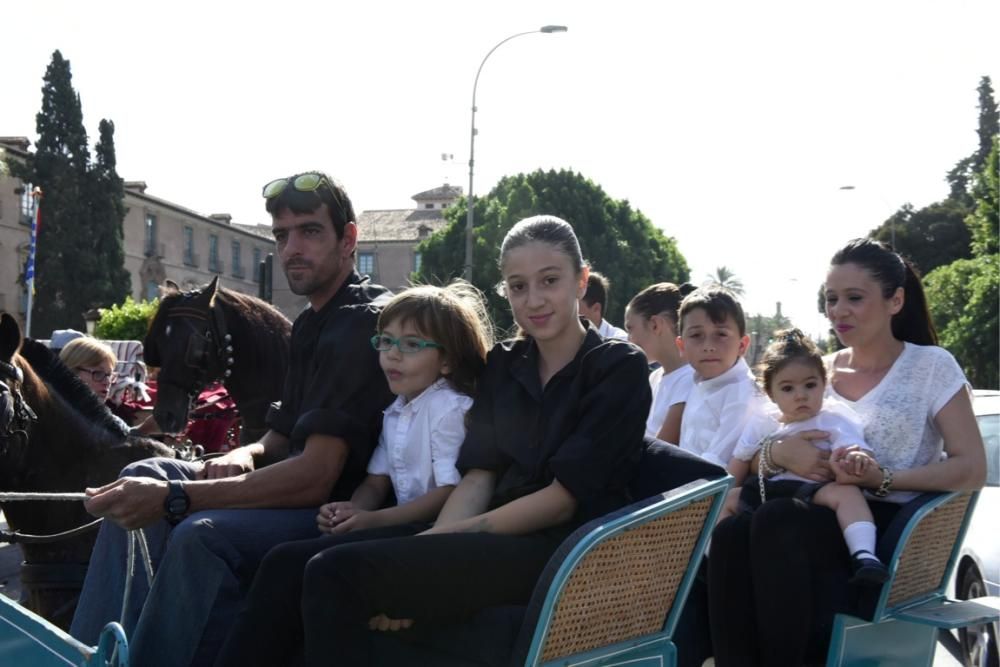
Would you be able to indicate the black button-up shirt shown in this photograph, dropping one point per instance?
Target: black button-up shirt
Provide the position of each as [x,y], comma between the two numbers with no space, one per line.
[584,428]
[334,384]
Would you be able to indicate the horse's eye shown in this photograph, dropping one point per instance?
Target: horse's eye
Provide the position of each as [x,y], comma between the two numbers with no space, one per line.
[167,330]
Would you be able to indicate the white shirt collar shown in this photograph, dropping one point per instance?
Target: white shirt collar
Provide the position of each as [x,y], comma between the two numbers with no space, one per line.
[400,403]
[738,372]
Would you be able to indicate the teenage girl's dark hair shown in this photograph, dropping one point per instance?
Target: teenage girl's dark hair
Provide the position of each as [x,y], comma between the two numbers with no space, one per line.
[789,345]
[455,318]
[891,270]
[660,299]
[718,302]
[329,192]
[547,229]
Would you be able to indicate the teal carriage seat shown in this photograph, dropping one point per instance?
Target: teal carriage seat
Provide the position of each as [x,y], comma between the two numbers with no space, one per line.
[923,544]
[28,639]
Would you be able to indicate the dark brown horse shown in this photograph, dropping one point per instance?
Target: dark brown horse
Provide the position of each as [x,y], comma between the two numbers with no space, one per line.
[55,436]
[210,334]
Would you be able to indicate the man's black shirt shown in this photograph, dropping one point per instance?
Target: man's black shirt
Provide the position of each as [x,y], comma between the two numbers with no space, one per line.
[334,384]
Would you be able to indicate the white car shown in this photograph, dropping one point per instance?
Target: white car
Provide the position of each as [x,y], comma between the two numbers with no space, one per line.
[978,571]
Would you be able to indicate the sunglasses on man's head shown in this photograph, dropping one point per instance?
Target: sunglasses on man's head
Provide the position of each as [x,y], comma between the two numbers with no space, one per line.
[308,182]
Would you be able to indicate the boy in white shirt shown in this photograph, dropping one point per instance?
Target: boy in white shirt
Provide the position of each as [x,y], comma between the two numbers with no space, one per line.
[713,340]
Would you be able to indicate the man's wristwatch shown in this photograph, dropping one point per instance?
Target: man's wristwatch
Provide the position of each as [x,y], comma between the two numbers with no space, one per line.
[177,503]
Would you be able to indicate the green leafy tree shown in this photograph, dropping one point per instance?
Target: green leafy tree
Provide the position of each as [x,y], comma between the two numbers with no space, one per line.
[724,277]
[963,298]
[79,262]
[111,282]
[761,329]
[617,240]
[128,320]
[983,222]
[931,236]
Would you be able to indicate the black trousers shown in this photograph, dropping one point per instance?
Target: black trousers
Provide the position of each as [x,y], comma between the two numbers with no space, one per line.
[776,578]
[319,594]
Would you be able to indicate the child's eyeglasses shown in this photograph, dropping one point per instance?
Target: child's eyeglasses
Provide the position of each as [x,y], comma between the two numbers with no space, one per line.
[99,375]
[405,344]
[308,182]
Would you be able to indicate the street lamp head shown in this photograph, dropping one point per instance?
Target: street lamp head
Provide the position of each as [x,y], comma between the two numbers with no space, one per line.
[846,187]
[553,28]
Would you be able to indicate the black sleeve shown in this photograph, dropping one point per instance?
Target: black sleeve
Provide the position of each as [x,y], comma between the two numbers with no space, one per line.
[344,390]
[603,450]
[281,416]
[480,450]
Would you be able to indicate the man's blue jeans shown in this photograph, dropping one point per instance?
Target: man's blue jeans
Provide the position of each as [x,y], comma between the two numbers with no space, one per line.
[202,567]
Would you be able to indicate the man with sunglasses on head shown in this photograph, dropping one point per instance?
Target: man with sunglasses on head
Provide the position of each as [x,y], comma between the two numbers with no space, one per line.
[223,516]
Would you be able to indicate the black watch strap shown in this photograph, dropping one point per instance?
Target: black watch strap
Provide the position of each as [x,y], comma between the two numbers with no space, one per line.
[177,503]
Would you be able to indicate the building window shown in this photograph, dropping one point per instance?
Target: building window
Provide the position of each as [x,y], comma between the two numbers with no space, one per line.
[213,254]
[27,204]
[150,245]
[366,263]
[152,290]
[189,259]
[417,261]
[237,264]
[431,205]
[256,265]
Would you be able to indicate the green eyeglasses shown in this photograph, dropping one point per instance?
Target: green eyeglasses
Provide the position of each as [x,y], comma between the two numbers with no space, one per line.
[308,182]
[405,344]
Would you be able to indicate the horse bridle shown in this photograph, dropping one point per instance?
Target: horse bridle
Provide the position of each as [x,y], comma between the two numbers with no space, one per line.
[18,417]
[210,352]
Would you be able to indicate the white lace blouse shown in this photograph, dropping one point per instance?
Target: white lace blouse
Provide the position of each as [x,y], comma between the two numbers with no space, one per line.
[898,413]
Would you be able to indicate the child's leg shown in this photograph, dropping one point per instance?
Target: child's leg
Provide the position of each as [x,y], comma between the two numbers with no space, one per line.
[732,504]
[855,519]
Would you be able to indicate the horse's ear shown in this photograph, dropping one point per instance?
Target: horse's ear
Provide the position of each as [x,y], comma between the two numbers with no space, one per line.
[210,291]
[169,288]
[10,336]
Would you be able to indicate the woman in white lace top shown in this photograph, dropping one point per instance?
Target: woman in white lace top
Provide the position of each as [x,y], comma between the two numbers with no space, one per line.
[778,577]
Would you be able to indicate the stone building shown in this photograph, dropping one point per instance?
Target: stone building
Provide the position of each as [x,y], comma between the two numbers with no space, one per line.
[388,238]
[163,240]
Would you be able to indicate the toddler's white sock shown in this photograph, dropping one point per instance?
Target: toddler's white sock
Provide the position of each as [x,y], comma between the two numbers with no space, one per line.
[860,536]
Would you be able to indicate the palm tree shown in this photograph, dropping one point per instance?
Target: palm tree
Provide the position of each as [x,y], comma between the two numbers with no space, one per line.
[723,277]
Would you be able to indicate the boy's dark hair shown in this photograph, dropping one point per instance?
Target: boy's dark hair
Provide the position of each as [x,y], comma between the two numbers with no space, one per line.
[891,270]
[718,302]
[598,287]
[660,299]
[789,345]
[329,192]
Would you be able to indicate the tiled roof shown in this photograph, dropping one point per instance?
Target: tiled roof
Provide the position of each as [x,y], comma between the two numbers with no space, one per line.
[398,224]
[446,192]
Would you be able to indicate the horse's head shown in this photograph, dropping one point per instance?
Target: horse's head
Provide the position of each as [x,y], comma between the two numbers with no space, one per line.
[16,415]
[189,342]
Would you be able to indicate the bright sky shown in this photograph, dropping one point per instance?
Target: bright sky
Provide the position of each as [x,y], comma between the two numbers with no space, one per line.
[730,124]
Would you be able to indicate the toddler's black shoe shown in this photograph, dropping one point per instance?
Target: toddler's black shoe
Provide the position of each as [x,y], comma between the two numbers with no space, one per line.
[868,570]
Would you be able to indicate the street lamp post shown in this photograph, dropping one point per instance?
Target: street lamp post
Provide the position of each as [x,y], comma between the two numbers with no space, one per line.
[467,270]
[892,222]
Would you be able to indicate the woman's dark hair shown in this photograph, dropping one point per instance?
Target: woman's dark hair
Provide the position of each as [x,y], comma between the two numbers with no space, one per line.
[455,318]
[789,345]
[660,299]
[547,229]
[891,270]
[328,192]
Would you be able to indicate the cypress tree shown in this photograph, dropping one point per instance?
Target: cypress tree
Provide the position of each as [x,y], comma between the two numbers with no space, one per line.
[111,282]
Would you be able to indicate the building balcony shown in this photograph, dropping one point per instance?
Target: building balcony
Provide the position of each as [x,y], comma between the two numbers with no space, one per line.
[154,250]
[191,259]
[217,266]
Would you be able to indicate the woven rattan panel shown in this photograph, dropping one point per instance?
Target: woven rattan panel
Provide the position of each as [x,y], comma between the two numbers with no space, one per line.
[624,587]
[923,561]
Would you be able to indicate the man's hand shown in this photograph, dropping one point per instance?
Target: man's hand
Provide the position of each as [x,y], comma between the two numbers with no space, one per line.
[131,502]
[230,464]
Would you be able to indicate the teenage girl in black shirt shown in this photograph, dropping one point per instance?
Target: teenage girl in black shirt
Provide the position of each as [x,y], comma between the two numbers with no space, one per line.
[554,434]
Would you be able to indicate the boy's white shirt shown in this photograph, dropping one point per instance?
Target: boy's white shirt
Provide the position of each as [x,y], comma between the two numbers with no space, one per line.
[420,441]
[608,330]
[668,390]
[717,411]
